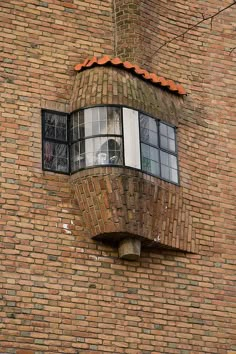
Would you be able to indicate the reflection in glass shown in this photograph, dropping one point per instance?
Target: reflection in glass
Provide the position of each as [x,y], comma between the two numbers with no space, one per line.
[55,126]
[55,157]
[167,137]
[148,130]
[96,151]
[150,159]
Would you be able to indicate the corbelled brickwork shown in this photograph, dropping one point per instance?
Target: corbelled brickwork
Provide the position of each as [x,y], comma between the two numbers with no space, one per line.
[114,202]
[60,291]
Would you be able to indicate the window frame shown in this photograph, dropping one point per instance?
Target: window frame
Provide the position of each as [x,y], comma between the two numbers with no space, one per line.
[69,142]
[158,147]
[52,140]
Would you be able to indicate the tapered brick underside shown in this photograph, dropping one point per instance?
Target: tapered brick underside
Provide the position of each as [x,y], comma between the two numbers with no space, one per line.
[116,203]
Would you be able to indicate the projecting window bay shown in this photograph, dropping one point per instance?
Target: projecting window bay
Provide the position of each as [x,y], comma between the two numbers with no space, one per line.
[109,136]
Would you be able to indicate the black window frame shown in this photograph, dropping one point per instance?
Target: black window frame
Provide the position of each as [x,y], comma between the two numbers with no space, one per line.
[159,147]
[69,142]
[54,140]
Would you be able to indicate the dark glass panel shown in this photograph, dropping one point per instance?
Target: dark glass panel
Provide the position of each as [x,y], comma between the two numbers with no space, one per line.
[55,157]
[55,126]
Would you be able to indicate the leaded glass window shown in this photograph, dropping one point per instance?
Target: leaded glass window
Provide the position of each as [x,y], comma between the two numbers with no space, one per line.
[109,135]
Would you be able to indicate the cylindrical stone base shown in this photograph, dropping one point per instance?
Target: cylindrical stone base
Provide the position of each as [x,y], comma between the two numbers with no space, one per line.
[130,249]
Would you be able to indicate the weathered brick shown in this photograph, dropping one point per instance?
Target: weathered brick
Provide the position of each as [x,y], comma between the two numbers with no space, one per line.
[63,292]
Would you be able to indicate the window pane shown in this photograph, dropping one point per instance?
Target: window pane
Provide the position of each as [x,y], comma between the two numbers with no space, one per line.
[163,129]
[109,151]
[113,120]
[55,157]
[165,172]
[144,135]
[146,164]
[164,142]
[171,145]
[148,130]
[55,126]
[173,161]
[153,138]
[164,158]
[95,128]
[153,124]
[88,128]
[145,150]
[171,132]
[96,151]
[144,123]
[155,168]
[154,154]
[77,156]
[173,175]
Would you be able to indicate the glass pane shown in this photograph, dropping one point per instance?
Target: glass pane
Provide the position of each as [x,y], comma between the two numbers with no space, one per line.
[81,125]
[55,126]
[154,154]
[89,157]
[164,158]
[77,156]
[74,123]
[148,130]
[144,135]
[173,161]
[171,132]
[88,128]
[144,122]
[145,150]
[153,138]
[153,125]
[96,128]
[103,127]
[115,151]
[164,142]
[165,172]
[171,145]
[155,168]
[146,164]
[163,129]
[61,133]
[100,113]
[173,175]
[113,120]
[55,157]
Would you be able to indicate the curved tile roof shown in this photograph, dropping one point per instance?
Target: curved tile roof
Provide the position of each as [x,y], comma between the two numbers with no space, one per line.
[144,74]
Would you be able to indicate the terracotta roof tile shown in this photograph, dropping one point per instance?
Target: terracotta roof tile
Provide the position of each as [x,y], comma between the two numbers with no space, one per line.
[153,78]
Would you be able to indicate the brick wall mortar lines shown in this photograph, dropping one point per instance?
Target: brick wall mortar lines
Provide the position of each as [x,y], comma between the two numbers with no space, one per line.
[61,292]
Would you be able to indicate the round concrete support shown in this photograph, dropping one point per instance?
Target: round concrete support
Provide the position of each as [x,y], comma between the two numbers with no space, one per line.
[130,249]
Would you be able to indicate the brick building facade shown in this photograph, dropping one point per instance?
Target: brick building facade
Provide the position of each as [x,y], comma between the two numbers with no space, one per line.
[63,287]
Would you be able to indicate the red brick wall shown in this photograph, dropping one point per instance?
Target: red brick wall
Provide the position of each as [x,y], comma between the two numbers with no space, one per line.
[60,292]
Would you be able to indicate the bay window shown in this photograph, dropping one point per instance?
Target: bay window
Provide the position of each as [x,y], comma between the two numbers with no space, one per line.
[109,136]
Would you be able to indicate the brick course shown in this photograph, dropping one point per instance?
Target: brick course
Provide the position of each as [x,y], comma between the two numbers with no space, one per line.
[60,291]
